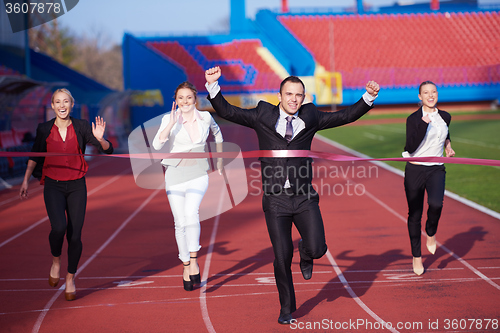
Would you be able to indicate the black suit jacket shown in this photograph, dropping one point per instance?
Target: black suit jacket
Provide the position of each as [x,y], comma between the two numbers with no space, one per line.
[263,120]
[84,136]
[416,129]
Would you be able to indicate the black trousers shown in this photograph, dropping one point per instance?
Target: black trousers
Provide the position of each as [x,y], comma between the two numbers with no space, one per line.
[281,210]
[66,199]
[418,180]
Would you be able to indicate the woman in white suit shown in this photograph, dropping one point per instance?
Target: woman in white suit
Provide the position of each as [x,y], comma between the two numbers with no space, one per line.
[185,129]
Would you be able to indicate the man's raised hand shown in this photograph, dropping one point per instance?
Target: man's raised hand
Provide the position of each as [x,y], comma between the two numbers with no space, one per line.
[372,88]
[213,74]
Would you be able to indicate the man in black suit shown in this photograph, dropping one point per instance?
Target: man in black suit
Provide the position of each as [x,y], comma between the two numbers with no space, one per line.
[286,182]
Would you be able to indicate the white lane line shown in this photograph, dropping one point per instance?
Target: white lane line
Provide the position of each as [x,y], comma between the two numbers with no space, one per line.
[16,197]
[452,195]
[203,289]
[4,183]
[166,301]
[353,294]
[387,282]
[472,204]
[36,224]
[455,196]
[462,261]
[218,275]
[476,143]
[232,294]
[47,307]
[360,285]
[374,136]
[390,279]
[270,274]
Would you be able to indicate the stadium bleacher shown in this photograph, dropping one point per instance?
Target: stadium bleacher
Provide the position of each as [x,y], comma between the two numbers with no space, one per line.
[27,113]
[30,109]
[4,70]
[400,49]
[399,46]
[243,68]
[11,141]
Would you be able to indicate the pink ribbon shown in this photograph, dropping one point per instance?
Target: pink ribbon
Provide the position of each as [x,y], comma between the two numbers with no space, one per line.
[272,153]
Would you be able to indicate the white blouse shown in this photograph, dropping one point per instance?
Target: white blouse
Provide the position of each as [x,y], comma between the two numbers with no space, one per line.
[180,140]
[433,143]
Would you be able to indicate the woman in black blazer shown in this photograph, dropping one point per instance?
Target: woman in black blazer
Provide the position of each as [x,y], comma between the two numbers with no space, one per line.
[65,190]
[426,136]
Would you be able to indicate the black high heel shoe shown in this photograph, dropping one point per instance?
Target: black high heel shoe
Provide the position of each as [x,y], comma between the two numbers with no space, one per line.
[197,277]
[188,285]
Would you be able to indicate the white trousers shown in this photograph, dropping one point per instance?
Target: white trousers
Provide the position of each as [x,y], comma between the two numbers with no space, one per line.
[185,199]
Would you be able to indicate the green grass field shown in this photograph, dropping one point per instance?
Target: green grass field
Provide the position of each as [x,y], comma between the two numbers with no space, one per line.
[472,138]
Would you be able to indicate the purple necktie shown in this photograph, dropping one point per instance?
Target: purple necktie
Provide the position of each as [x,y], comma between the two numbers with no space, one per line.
[289,129]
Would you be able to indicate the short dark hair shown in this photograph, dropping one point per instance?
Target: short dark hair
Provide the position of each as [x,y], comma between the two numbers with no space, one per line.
[292,79]
[187,85]
[423,84]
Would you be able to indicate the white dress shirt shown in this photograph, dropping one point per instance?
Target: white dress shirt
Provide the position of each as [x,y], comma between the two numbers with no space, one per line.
[433,143]
[297,123]
[179,139]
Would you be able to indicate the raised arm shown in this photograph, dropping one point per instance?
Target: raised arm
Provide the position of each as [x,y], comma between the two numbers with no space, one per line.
[213,74]
[167,123]
[372,88]
[353,112]
[245,117]
[98,131]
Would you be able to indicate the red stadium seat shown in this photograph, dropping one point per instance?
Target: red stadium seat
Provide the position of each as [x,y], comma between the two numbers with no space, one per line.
[458,43]
[239,58]
[8,71]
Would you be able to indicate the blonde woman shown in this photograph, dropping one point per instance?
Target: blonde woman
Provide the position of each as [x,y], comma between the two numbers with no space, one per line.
[65,191]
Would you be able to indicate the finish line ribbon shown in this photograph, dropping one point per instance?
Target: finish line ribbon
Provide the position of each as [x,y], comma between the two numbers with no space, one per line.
[269,154]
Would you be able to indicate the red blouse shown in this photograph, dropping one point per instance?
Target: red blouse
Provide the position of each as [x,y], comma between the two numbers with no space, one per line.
[69,167]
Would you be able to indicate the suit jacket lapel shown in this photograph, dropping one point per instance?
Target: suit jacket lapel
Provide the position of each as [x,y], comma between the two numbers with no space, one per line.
[270,117]
[307,116]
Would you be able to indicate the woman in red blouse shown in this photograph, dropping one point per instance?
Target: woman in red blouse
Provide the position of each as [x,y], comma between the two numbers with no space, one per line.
[63,176]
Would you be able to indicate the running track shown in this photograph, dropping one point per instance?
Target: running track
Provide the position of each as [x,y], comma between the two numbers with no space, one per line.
[129,278]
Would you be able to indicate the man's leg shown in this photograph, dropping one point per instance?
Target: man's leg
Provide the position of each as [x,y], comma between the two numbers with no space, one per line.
[277,210]
[309,223]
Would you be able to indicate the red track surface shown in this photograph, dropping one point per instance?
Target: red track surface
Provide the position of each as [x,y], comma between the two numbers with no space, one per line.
[129,278]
